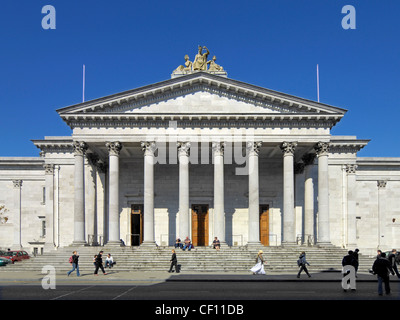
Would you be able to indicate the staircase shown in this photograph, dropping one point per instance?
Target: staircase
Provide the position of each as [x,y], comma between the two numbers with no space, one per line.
[201,259]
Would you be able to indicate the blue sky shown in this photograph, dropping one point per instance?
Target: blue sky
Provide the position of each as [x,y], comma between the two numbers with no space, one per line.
[269,43]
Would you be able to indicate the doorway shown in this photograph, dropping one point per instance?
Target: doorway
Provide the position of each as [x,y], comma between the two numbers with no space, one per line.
[136,224]
[264,224]
[200,224]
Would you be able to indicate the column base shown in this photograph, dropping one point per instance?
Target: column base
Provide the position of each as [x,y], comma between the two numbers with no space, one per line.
[254,244]
[148,244]
[80,243]
[324,244]
[114,244]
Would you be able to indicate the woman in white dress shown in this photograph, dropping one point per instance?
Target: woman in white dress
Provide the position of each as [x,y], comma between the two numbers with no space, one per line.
[259,267]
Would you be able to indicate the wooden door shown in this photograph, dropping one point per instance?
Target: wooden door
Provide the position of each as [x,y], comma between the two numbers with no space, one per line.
[264,225]
[136,224]
[200,225]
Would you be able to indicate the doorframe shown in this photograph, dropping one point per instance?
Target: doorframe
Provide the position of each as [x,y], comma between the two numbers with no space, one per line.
[268,222]
[207,233]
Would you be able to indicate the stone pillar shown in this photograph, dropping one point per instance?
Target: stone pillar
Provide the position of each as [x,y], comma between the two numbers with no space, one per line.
[308,161]
[381,184]
[323,236]
[219,202]
[351,206]
[183,155]
[253,149]
[114,148]
[289,230]
[17,214]
[79,193]
[49,176]
[148,147]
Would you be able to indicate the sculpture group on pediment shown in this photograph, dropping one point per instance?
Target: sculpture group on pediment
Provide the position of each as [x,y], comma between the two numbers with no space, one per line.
[200,63]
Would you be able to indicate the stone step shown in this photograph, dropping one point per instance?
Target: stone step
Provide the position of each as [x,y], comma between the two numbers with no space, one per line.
[200,259]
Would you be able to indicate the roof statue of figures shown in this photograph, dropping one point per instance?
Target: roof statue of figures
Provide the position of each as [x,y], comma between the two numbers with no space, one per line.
[200,63]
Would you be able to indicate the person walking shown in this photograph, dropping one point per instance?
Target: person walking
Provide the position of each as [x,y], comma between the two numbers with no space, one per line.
[302,262]
[381,268]
[99,263]
[75,264]
[393,261]
[259,266]
[174,262]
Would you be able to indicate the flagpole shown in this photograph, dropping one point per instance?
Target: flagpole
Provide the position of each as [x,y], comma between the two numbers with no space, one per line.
[318,82]
[83,85]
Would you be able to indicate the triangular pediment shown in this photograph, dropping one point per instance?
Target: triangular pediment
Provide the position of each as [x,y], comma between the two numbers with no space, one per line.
[201,94]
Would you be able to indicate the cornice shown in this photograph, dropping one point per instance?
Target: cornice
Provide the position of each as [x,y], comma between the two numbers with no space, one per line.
[202,120]
[194,82]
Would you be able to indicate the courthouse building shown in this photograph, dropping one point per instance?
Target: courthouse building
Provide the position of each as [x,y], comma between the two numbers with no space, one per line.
[200,155]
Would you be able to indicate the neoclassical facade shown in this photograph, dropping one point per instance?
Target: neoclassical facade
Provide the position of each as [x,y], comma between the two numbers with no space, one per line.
[200,155]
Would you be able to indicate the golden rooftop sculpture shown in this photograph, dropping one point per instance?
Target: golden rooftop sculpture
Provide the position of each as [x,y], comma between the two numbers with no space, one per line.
[200,63]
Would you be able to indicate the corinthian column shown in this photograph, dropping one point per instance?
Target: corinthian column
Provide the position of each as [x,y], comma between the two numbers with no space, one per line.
[148,220]
[49,176]
[322,149]
[308,160]
[219,208]
[253,149]
[289,236]
[183,155]
[17,214]
[79,193]
[114,148]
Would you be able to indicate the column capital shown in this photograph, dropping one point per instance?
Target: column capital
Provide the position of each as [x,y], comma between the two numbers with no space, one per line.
[114,148]
[322,148]
[80,148]
[17,183]
[381,184]
[288,148]
[183,147]
[48,169]
[351,168]
[148,147]
[253,146]
[218,148]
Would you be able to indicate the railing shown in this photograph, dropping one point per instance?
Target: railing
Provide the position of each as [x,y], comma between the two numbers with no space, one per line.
[92,240]
[307,239]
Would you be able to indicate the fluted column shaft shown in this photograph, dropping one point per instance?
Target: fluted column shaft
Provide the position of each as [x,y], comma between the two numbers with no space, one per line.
[17,214]
[79,193]
[148,216]
[253,149]
[219,206]
[183,155]
[289,231]
[308,195]
[322,149]
[114,149]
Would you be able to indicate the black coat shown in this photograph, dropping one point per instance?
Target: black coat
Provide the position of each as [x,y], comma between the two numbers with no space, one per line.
[173,258]
[382,267]
[75,259]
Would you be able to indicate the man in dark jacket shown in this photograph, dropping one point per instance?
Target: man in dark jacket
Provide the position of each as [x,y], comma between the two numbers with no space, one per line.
[174,262]
[381,268]
[392,259]
[99,263]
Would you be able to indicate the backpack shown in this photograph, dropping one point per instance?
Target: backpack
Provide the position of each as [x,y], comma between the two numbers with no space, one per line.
[71,260]
[299,262]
